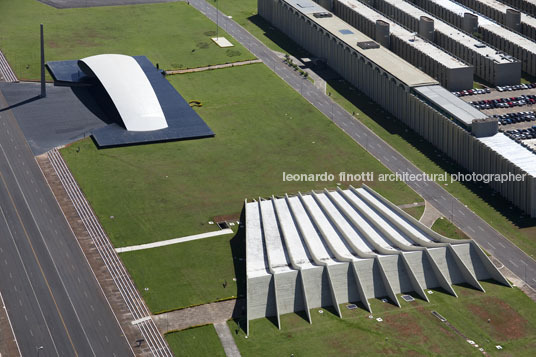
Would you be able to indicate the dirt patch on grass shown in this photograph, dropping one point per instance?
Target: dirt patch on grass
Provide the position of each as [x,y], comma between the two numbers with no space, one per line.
[52,44]
[405,325]
[505,322]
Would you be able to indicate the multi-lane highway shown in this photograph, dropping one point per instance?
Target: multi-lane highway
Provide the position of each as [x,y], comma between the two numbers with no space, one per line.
[53,299]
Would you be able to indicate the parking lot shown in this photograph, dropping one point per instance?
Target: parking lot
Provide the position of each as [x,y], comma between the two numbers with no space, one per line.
[492,101]
[513,106]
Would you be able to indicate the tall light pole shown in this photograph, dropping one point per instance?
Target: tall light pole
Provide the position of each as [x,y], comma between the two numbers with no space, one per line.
[38,349]
[217,18]
[43,87]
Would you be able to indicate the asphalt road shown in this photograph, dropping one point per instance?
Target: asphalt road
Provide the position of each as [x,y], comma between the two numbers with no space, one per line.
[51,294]
[474,226]
[70,4]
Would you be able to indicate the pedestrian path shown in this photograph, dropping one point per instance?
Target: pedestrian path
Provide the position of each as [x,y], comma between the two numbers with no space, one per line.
[173,241]
[217,66]
[226,339]
[430,215]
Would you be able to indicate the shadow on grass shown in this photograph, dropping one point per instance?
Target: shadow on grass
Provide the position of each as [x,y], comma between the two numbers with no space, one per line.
[466,286]
[238,250]
[278,37]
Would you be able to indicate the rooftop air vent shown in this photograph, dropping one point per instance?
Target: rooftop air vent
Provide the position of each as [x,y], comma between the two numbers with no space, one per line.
[367,45]
[322,14]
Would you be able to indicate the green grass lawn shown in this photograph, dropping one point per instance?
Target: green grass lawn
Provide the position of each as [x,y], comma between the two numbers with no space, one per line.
[197,341]
[445,227]
[175,35]
[479,198]
[416,212]
[169,190]
[184,274]
[408,331]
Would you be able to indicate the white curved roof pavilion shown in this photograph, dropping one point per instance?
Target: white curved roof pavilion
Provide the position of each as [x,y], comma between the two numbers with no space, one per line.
[130,90]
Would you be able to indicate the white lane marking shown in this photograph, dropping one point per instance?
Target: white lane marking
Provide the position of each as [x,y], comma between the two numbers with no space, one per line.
[491,245]
[461,212]
[482,229]
[514,264]
[29,281]
[502,245]
[46,247]
[471,229]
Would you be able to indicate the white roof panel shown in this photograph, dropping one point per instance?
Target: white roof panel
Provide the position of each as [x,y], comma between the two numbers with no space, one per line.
[488,24]
[514,152]
[470,43]
[456,107]
[130,90]
[402,33]
[256,260]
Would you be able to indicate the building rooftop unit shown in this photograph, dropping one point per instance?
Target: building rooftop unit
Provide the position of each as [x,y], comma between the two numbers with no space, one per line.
[364,45]
[514,152]
[529,20]
[452,32]
[417,42]
[488,24]
[451,105]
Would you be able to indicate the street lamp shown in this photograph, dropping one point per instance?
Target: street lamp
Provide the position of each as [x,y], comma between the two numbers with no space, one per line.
[38,348]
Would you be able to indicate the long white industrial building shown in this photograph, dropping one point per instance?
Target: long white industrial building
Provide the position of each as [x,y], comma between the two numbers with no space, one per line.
[490,64]
[449,123]
[450,71]
[521,47]
[505,15]
[333,247]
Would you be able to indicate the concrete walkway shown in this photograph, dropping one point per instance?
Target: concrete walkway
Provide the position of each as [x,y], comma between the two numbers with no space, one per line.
[430,215]
[216,313]
[198,315]
[226,339]
[217,66]
[414,204]
[174,241]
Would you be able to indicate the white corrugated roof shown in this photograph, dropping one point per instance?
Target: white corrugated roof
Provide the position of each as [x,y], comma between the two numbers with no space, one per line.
[488,24]
[402,33]
[382,57]
[514,152]
[463,40]
[130,90]
[456,107]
